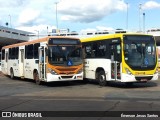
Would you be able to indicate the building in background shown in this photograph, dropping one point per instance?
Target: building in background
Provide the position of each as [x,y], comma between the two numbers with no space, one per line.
[11,36]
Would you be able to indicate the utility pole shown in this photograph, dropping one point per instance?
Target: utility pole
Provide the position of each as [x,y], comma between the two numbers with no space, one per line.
[143,22]
[56,15]
[10,21]
[127,18]
[140,8]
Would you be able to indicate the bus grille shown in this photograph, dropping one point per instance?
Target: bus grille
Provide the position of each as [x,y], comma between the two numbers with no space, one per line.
[67,73]
[66,69]
[147,78]
[65,77]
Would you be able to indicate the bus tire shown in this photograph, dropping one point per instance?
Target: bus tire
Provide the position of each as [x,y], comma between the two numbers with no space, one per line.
[36,78]
[102,78]
[11,73]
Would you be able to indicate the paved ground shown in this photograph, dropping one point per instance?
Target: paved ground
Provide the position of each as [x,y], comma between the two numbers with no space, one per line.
[91,101]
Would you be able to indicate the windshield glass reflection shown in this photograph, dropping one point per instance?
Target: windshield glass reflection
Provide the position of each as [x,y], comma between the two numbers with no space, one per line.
[64,55]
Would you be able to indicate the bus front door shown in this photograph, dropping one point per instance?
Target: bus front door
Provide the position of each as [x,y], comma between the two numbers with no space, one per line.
[42,74]
[21,62]
[6,62]
[115,61]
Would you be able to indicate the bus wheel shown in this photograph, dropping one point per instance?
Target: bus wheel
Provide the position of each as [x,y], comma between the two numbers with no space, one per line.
[12,73]
[102,78]
[36,78]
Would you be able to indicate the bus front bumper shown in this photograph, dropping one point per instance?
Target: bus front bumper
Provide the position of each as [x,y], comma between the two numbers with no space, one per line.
[51,77]
[133,78]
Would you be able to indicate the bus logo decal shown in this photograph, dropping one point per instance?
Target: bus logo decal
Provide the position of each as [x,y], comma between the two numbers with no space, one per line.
[69,63]
[146,62]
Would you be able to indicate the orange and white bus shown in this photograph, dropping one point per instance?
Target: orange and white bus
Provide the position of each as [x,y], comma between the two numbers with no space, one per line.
[53,58]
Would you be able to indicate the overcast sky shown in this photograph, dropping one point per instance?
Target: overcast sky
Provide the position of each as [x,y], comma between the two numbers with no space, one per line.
[79,15]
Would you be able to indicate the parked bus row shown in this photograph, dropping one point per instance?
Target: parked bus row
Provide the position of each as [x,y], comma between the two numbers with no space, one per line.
[122,57]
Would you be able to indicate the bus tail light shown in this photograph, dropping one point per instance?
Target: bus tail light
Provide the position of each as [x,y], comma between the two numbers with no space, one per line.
[52,71]
[128,71]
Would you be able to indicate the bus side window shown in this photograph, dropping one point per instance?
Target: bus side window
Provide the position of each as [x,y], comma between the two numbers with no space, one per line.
[83,52]
[3,54]
[119,53]
[35,49]
[112,52]
[30,51]
[16,52]
[42,57]
[6,58]
[116,52]
[10,53]
[88,51]
[13,53]
[100,49]
[26,49]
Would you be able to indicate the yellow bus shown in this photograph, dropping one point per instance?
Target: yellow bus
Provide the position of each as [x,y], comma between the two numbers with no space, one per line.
[158,52]
[121,57]
[53,58]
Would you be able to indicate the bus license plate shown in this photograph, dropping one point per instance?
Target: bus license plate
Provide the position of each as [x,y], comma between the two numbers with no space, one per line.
[143,80]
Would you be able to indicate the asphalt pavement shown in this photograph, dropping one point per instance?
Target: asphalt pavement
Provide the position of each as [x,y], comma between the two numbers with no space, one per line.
[77,100]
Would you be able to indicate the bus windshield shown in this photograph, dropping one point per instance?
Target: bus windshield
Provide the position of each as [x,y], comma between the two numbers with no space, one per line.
[140,52]
[64,55]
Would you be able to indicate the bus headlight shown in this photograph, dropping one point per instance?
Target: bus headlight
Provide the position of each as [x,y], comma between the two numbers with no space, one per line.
[128,71]
[157,71]
[52,71]
[80,71]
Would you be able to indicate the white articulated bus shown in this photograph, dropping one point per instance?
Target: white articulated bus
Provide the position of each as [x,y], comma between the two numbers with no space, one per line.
[121,57]
[53,58]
